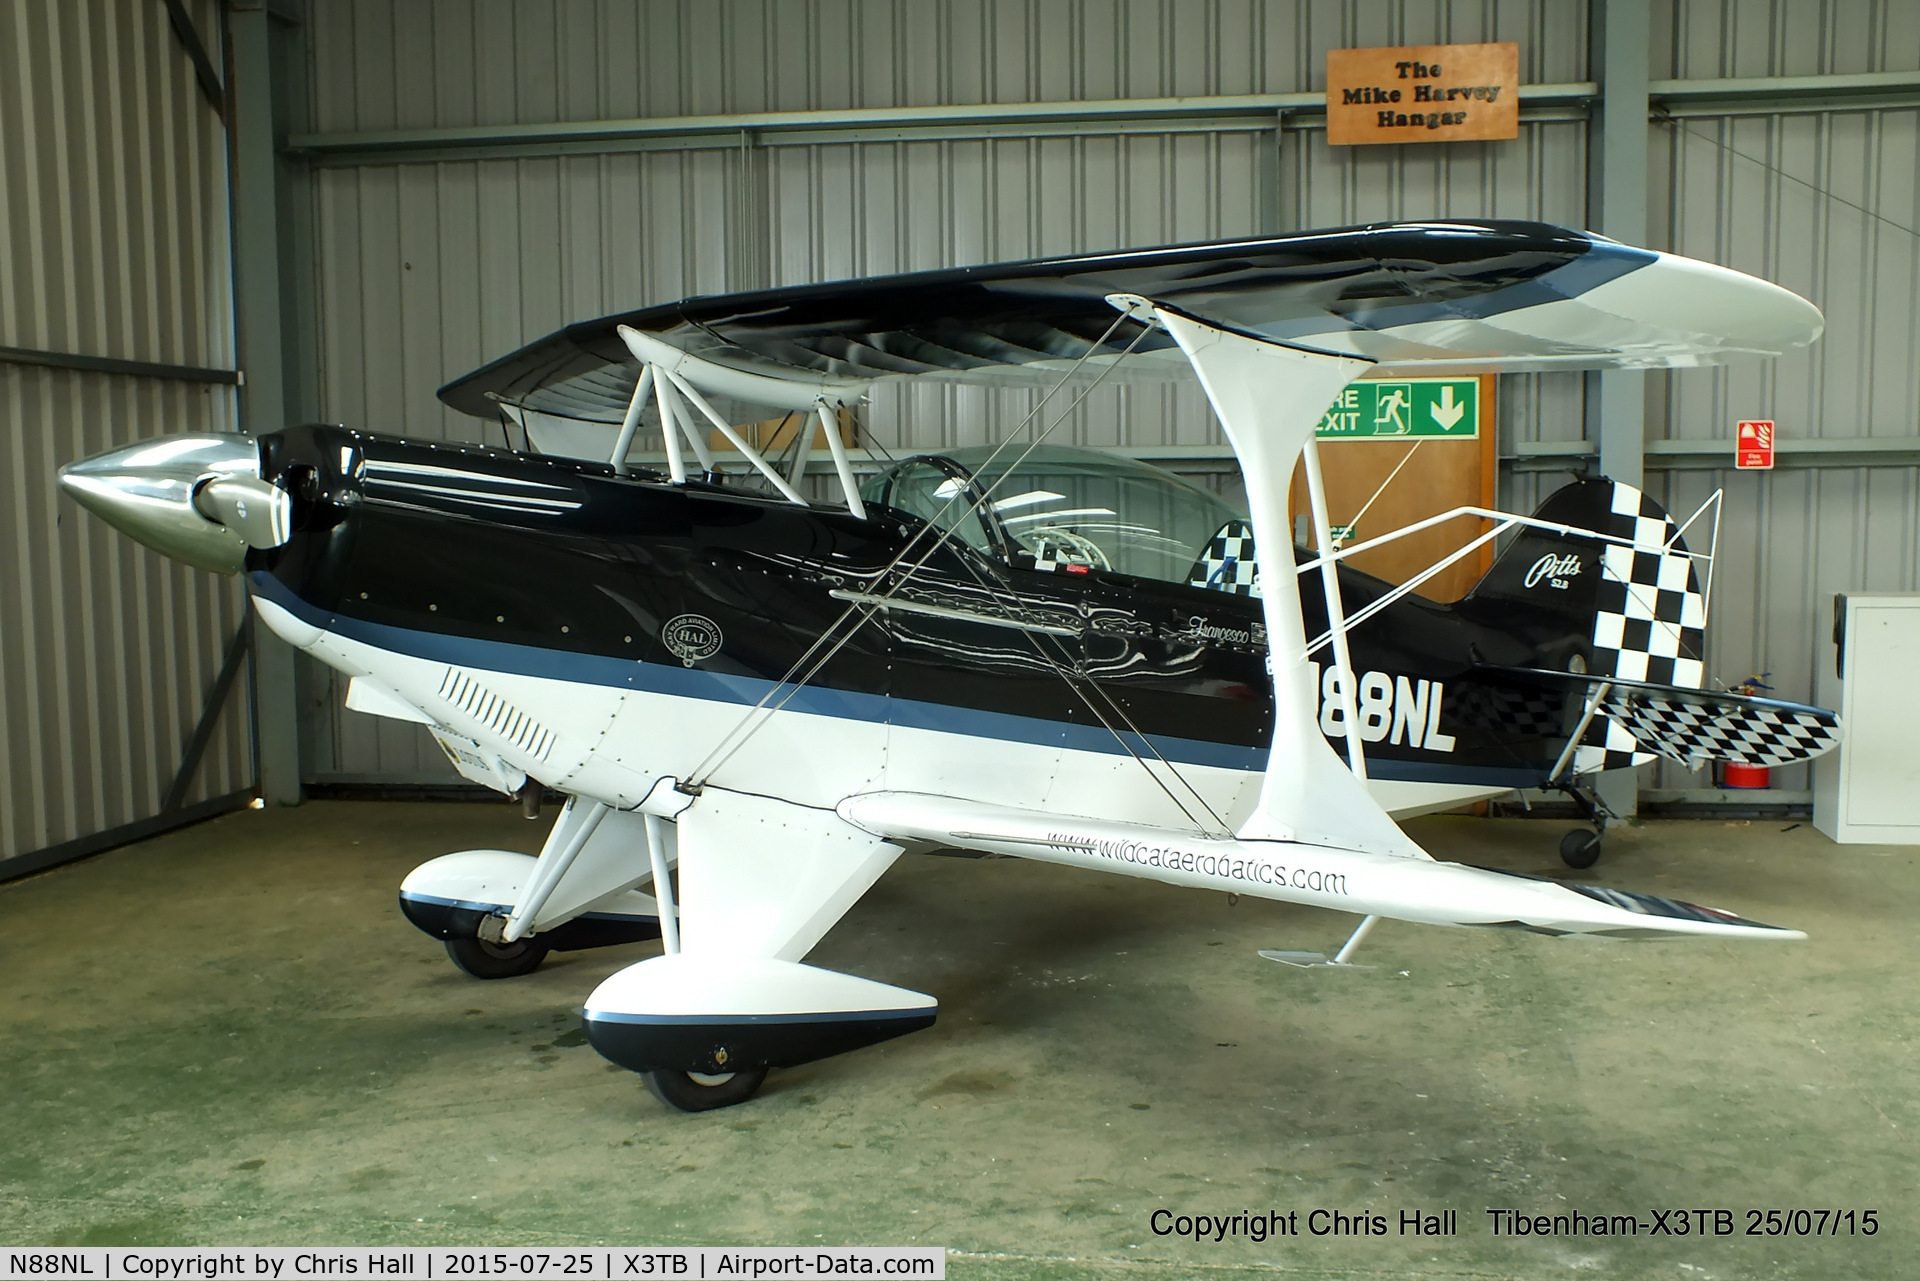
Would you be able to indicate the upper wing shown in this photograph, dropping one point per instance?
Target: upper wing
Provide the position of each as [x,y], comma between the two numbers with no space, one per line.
[1480,295]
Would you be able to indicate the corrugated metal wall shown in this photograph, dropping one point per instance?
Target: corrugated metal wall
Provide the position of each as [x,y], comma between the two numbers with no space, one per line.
[423,271]
[113,196]
[426,270]
[1709,39]
[1828,205]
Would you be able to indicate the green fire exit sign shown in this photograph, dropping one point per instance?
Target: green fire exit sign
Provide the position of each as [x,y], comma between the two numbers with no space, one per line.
[1445,407]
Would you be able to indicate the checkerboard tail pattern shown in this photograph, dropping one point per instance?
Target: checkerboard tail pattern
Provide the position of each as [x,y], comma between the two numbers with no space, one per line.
[1649,625]
[1228,563]
[1697,728]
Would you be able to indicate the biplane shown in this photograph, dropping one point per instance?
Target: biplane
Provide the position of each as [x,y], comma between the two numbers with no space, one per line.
[756,700]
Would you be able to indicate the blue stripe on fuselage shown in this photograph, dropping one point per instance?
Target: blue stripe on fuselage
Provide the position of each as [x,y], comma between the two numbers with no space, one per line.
[746,691]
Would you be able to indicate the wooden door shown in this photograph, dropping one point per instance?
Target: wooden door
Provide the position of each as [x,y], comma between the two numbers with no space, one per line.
[1395,451]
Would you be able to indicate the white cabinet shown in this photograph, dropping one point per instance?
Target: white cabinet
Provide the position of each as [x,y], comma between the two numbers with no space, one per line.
[1867,791]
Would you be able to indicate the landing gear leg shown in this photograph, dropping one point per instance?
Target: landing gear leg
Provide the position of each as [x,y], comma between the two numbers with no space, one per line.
[1580,848]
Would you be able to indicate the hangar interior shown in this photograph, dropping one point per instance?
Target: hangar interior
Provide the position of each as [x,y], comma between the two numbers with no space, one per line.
[231,216]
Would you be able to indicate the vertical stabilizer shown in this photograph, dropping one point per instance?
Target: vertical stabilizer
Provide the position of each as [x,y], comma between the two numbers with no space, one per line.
[1638,605]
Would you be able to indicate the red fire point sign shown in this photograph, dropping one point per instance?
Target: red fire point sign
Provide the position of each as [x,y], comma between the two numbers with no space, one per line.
[1753,444]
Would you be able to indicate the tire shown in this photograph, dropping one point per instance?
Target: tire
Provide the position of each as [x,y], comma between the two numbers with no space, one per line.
[1580,848]
[693,1092]
[482,960]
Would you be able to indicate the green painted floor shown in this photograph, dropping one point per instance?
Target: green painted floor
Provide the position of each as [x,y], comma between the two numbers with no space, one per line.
[229,1035]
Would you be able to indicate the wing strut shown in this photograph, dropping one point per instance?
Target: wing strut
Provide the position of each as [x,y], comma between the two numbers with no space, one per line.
[677,378]
[841,464]
[670,430]
[1336,613]
[732,433]
[631,422]
[1269,398]
[662,886]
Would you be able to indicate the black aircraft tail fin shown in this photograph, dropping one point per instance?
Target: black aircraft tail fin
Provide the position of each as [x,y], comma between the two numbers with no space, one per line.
[1631,610]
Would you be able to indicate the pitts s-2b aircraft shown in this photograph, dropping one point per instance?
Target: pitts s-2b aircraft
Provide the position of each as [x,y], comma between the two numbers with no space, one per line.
[1026,650]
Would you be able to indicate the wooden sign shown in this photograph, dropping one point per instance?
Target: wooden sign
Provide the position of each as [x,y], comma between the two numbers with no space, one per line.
[1423,93]
[1753,444]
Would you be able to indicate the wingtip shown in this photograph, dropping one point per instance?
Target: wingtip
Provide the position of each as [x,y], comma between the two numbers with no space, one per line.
[1625,914]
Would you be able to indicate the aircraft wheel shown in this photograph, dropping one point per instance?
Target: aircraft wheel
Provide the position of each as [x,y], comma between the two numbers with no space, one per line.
[1580,848]
[698,1092]
[484,960]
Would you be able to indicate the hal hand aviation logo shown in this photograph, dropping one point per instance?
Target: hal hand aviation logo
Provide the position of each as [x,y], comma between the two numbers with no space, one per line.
[691,637]
[1554,571]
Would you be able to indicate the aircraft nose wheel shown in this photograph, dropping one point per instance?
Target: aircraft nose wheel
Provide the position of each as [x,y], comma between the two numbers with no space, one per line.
[483,960]
[1580,848]
[699,1092]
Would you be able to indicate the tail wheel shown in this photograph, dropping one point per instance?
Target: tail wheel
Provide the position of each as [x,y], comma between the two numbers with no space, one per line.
[698,1092]
[484,960]
[1580,848]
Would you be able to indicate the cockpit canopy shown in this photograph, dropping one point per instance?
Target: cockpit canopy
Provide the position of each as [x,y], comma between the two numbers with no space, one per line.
[1060,506]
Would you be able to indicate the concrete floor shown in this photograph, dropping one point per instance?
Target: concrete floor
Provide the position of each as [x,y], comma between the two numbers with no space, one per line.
[229,1035]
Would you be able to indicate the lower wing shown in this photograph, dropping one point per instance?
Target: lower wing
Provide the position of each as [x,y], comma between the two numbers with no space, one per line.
[1408,889]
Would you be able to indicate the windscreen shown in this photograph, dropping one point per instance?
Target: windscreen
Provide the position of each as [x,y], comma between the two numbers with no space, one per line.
[1079,506]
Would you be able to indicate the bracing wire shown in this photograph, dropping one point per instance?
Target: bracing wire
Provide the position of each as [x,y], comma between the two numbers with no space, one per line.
[751,721]
[866,609]
[1354,524]
[1080,690]
[1777,171]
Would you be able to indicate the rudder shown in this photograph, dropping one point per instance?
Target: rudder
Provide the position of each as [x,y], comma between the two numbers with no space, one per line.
[1638,603]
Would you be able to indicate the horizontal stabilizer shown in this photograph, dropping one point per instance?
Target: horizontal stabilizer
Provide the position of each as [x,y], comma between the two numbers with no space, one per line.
[1697,725]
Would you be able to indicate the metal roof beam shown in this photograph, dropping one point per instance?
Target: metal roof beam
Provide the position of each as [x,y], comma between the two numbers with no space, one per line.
[1778,95]
[1717,455]
[1756,95]
[115,365]
[1243,112]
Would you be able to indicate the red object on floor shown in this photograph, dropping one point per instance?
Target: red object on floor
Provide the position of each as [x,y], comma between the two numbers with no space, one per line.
[1732,775]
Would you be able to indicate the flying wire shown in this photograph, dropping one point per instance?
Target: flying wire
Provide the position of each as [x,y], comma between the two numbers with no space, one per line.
[1354,524]
[1080,688]
[866,609]
[1007,608]
[863,610]
[1730,149]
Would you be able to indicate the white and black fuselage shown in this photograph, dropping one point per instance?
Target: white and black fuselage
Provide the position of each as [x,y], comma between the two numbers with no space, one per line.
[778,698]
[599,632]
